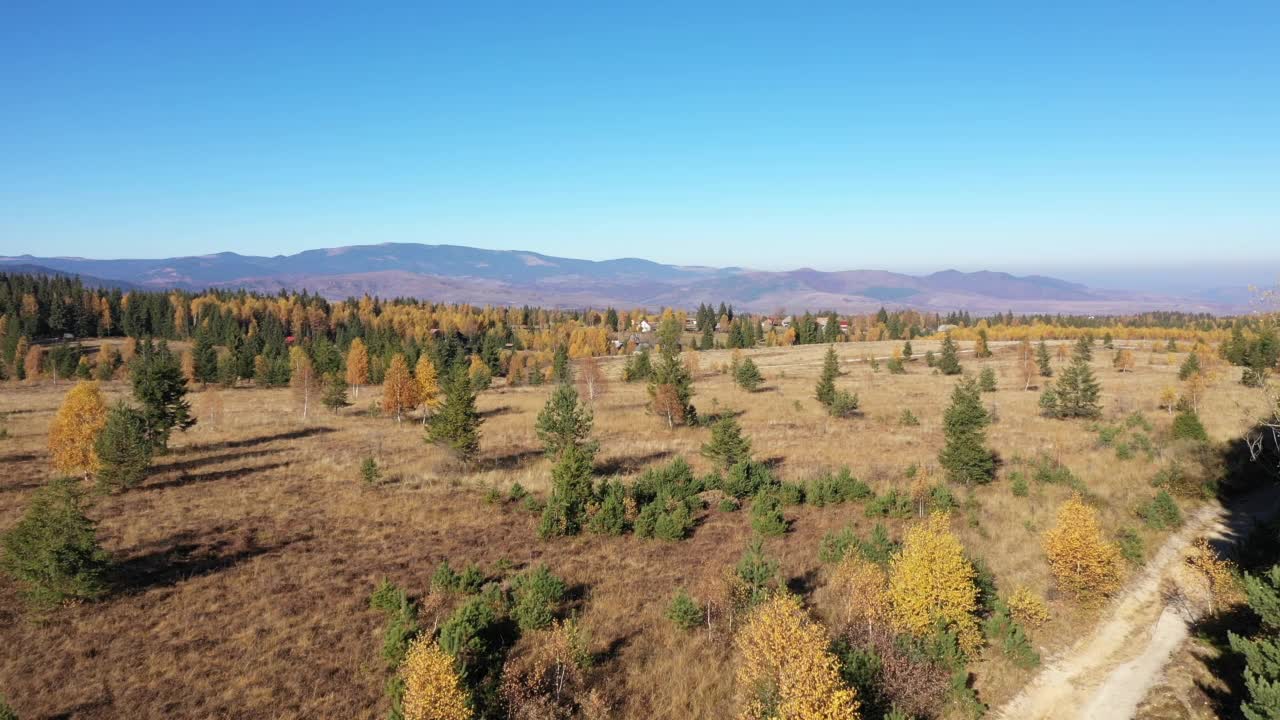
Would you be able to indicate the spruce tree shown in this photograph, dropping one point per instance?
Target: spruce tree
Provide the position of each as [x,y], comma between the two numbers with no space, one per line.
[53,551]
[161,389]
[1083,349]
[727,446]
[906,351]
[122,449]
[980,347]
[987,380]
[457,424]
[566,510]
[1077,391]
[204,358]
[564,422]
[826,389]
[671,385]
[1190,366]
[1042,359]
[334,395]
[948,362]
[965,456]
[561,370]
[747,375]
[1262,653]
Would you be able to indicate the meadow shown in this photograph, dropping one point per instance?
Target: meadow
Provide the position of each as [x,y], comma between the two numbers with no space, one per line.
[245,560]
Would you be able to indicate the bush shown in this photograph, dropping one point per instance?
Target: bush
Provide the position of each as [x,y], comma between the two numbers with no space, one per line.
[684,611]
[53,552]
[766,515]
[517,492]
[465,633]
[729,505]
[843,404]
[908,419]
[536,594]
[892,504]
[1187,426]
[369,472]
[746,479]
[611,517]
[987,380]
[747,376]
[831,489]
[1161,513]
[674,523]
[727,446]
[791,493]
[1018,484]
[1005,632]
[387,597]
[1132,548]
[444,579]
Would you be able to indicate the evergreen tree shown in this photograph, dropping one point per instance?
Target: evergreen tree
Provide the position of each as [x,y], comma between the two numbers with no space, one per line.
[334,395]
[1042,359]
[965,456]
[566,510]
[53,551]
[1083,349]
[987,380]
[561,370]
[980,348]
[727,446]
[205,359]
[906,351]
[671,386]
[457,424]
[708,337]
[747,375]
[1190,366]
[161,389]
[948,362]
[639,367]
[564,423]
[826,389]
[122,449]
[1077,392]
[1262,653]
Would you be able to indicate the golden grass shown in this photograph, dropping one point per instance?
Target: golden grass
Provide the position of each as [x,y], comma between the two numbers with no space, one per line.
[249,553]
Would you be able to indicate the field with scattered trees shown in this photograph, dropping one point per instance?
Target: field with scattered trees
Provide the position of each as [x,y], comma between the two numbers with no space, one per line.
[229,505]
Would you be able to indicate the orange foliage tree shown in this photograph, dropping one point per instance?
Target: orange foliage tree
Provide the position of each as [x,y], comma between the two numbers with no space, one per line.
[931,581]
[785,669]
[428,385]
[75,429]
[357,366]
[1081,560]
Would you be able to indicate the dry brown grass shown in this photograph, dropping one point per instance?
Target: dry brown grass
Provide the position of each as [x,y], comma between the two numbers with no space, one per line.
[247,557]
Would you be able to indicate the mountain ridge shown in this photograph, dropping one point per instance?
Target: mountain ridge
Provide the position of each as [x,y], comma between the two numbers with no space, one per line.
[458,273]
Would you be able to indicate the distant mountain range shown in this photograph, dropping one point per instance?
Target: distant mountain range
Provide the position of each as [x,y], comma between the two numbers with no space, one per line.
[453,273]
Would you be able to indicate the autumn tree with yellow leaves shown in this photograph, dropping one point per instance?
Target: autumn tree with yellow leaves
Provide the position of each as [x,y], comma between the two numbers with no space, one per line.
[785,669]
[399,389]
[357,366]
[75,429]
[424,373]
[432,688]
[1082,562]
[860,590]
[931,582]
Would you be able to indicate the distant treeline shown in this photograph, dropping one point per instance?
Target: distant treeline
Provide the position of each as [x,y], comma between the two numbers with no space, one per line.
[248,325]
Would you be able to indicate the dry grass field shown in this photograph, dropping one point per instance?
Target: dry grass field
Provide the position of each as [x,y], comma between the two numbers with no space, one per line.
[247,557]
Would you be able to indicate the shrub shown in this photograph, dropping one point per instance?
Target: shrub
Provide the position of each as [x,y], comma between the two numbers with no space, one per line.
[766,515]
[757,573]
[1027,607]
[1161,513]
[829,489]
[369,472]
[444,579]
[729,505]
[746,479]
[684,611]
[835,544]
[892,504]
[611,517]
[1187,426]
[791,493]
[517,492]
[1018,484]
[1131,546]
[673,523]
[387,597]
[908,419]
[536,594]
[465,633]
[402,628]
[727,446]
[1005,632]
[566,509]
[843,404]
[747,376]
[53,551]
[987,380]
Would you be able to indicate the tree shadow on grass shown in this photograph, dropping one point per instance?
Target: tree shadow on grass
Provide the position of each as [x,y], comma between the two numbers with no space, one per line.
[211,460]
[514,459]
[182,560]
[19,457]
[496,411]
[232,474]
[260,440]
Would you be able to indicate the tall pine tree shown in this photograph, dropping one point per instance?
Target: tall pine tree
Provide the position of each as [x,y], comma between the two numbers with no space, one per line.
[161,389]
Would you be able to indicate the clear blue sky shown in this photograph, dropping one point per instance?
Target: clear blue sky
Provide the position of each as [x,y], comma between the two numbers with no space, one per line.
[774,135]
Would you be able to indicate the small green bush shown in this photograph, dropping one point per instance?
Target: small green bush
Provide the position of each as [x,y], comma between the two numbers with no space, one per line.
[1187,426]
[369,471]
[908,419]
[729,505]
[536,594]
[1131,547]
[1161,513]
[893,504]
[53,551]
[843,404]
[684,611]
[1005,633]
[766,515]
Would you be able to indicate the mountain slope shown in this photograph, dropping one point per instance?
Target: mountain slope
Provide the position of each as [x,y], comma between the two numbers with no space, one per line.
[463,274]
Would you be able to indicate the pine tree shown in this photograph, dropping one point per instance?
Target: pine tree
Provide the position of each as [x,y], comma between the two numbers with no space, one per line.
[1083,349]
[826,389]
[948,361]
[671,388]
[158,385]
[987,380]
[1190,366]
[335,392]
[727,446]
[122,449]
[564,423]
[561,370]
[75,428]
[204,359]
[1042,359]
[1262,653]
[965,456]
[399,389]
[1077,392]
[53,551]
[457,425]
[566,510]
[747,376]
[906,351]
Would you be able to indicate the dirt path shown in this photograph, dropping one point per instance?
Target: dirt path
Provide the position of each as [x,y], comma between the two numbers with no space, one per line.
[1107,673]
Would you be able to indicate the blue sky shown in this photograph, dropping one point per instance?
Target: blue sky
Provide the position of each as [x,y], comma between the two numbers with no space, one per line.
[777,135]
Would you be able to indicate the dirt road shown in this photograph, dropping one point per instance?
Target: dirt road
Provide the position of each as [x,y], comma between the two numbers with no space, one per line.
[1107,673]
